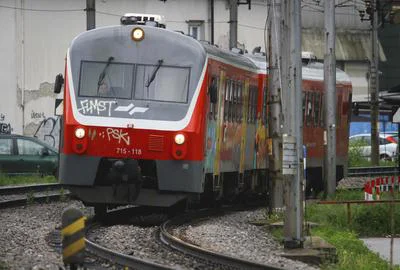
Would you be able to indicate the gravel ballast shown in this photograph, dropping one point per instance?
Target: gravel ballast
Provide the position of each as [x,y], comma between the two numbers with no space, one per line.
[24,232]
[230,234]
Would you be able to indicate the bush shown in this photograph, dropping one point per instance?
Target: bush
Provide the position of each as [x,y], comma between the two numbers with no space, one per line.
[356,158]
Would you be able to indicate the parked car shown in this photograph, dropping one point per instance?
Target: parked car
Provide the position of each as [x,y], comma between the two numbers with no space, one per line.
[387,145]
[26,155]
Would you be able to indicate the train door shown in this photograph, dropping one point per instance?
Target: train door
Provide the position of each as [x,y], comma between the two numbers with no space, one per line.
[217,181]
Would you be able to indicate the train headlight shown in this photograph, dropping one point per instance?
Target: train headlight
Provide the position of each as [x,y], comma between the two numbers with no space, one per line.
[80,133]
[137,34]
[179,139]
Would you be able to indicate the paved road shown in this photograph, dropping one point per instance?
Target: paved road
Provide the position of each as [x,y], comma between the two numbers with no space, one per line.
[382,246]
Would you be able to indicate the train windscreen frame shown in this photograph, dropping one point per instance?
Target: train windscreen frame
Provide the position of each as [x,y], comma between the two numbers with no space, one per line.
[133,81]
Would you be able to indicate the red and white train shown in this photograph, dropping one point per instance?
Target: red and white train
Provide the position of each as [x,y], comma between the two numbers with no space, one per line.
[153,117]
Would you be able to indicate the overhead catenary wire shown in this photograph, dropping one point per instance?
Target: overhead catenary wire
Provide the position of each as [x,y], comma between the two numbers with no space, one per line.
[42,10]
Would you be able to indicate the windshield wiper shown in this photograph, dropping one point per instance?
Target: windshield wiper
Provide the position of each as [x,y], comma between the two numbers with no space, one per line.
[103,75]
[153,75]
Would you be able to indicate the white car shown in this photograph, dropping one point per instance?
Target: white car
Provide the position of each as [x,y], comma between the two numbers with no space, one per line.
[387,145]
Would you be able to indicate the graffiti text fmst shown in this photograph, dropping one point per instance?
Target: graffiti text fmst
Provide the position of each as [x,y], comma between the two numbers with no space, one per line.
[95,106]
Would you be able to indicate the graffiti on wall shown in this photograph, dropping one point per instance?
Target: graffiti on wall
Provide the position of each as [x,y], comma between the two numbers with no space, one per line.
[37,115]
[5,128]
[49,131]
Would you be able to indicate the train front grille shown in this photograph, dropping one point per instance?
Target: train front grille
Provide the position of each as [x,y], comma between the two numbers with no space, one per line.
[156,143]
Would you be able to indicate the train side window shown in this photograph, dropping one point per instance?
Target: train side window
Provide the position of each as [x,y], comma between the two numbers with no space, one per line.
[231,100]
[304,106]
[322,115]
[310,111]
[253,94]
[255,103]
[226,100]
[264,107]
[250,105]
[240,101]
[213,106]
[317,101]
[235,101]
[339,110]
[309,108]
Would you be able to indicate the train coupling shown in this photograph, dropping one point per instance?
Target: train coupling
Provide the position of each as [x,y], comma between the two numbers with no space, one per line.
[126,173]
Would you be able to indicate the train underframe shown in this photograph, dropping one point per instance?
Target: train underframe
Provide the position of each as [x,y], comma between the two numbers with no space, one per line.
[138,182]
[146,182]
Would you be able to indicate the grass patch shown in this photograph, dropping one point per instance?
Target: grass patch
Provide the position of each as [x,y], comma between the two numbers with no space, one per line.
[366,220]
[26,179]
[352,253]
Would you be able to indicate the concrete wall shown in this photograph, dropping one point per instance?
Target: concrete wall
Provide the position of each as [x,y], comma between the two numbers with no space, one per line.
[36,34]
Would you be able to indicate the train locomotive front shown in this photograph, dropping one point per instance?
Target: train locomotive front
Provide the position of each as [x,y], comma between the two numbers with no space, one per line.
[133,102]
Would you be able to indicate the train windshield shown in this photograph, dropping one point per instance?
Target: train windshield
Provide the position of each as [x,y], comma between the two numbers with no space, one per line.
[134,81]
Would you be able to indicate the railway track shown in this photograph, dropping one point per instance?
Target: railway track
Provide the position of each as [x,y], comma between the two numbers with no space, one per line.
[373,171]
[215,258]
[21,195]
[172,244]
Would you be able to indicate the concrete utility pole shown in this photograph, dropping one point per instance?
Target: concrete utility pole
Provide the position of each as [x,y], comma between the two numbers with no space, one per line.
[275,102]
[90,14]
[374,87]
[293,151]
[233,21]
[212,20]
[330,98]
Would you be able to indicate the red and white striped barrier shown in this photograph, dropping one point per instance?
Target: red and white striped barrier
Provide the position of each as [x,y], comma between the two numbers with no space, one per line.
[374,187]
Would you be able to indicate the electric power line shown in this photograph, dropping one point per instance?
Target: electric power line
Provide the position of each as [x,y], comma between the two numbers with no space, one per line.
[42,10]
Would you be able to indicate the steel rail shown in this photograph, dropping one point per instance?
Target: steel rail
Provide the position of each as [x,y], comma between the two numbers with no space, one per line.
[35,198]
[373,171]
[7,190]
[199,252]
[122,259]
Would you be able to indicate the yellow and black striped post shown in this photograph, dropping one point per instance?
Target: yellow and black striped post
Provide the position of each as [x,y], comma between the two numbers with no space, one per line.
[73,237]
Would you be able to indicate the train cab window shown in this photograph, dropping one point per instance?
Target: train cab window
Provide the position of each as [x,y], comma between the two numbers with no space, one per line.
[317,102]
[162,83]
[103,79]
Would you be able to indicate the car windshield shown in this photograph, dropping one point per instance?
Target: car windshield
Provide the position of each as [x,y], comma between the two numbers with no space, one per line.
[140,82]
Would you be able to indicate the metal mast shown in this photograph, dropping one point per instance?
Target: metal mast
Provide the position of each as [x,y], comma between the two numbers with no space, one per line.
[90,14]
[233,21]
[374,87]
[330,98]
[275,116]
[293,148]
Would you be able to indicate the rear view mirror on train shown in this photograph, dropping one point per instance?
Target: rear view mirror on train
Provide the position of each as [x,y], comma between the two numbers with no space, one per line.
[212,90]
[58,83]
